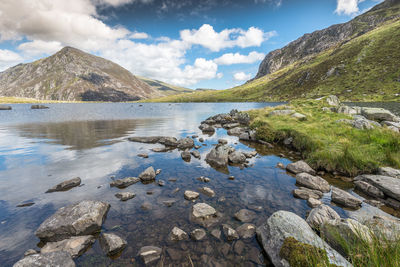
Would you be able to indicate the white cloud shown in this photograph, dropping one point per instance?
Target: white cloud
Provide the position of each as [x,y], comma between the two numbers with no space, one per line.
[38,47]
[8,58]
[207,37]
[241,76]
[237,58]
[139,35]
[347,7]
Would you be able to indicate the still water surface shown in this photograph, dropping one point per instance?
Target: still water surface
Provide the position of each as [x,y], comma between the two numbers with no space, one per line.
[40,148]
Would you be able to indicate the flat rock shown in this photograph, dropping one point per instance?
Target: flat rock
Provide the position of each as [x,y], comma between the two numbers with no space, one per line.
[143,155]
[245,215]
[383,226]
[299,167]
[306,193]
[321,214]
[124,196]
[123,183]
[83,218]
[299,116]
[236,131]
[160,149]
[312,182]
[378,114]
[150,254]
[191,195]
[39,107]
[313,203]
[57,258]
[246,230]
[345,199]
[281,112]
[178,234]
[168,141]
[203,210]
[148,175]
[112,244]
[390,186]
[145,139]
[208,191]
[229,232]
[4,107]
[284,224]
[75,246]
[30,252]
[198,234]
[368,189]
[388,171]
[66,185]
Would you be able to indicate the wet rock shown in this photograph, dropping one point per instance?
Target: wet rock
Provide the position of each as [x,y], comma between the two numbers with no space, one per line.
[148,175]
[123,183]
[237,157]
[312,182]
[205,128]
[191,195]
[300,167]
[143,155]
[177,234]
[201,139]
[208,191]
[83,218]
[169,202]
[281,112]
[160,182]
[30,252]
[368,189]
[216,233]
[229,232]
[150,254]
[145,139]
[66,185]
[248,136]
[284,224]
[159,149]
[124,196]
[196,154]
[4,107]
[245,215]
[218,156]
[198,234]
[378,114]
[239,247]
[246,230]
[390,186]
[75,246]
[280,165]
[185,155]
[346,110]
[26,204]
[112,244]
[321,214]
[313,203]
[236,131]
[387,171]
[175,254]
[305,193]
[185,143]
[168,141]
[58,258]
[39,107]
[158,171]
[204,179]
[146,206]
[203,210]
[345,199]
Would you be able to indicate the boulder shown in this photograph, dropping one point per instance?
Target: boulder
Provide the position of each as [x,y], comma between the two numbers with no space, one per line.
[186,156]
[75,245]
[178,234]
[203,211]
[198,234]
[388,171]
[391,123]
[4,107]
[299,116]
[246,230]
[346,110]
[378,114]
[312,182]
[313,203]
[305,193]
[236,131]
[242,118]
[345,199]
[245,215]
[83,218]
[299,167]
[229,232]
[321,214]
[143,155]
[57,258]
[112,244]
[150,254]
[248,136]
[185,143]
[218,156]
[281,112]
[168,141]
[191,195]
[39,107]
[208,191]
[123,183]
[282,225]
[332,100]
[230,125]
[124,196]
[66,185]
[148,175]
[237,157]
[196,154]
[390,186]
[368,189]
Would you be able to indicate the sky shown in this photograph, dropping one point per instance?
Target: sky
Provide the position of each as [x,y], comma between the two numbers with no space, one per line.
[215,44]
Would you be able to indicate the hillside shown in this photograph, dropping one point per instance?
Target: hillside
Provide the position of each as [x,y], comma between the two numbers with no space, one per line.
[365,68]
[165,88]
[73,75]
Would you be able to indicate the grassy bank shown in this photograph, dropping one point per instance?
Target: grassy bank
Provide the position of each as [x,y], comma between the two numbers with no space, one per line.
[22,100]
[326,144]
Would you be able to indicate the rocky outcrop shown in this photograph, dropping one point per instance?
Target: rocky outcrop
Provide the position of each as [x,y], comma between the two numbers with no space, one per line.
[66,185]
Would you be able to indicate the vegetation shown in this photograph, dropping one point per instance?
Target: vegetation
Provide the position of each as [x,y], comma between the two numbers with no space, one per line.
[327,144]
[20,100]
[164,88]
[364,69]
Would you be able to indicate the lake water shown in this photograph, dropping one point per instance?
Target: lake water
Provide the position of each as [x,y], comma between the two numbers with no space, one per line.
[40,148]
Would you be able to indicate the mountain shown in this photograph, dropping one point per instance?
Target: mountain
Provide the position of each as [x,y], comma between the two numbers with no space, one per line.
[72,74]
[165,88]
[361,65]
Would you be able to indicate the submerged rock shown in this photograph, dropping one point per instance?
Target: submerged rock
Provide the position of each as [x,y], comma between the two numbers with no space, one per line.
[198,234]
[58,258]
[124,196]
[245,215]
[39,107]
[123,183]
[246,230]
[191,195]
[178,234]
[112,244]
[299,167]
[203,211]
[312,182]
[148,175]
[345,199]
[75,246]
[229,232]
[150,254]
[83,218]
[208,191]
[321,214]
[66,185]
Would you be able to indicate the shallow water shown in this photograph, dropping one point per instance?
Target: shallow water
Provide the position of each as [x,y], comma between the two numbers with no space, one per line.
[40,148]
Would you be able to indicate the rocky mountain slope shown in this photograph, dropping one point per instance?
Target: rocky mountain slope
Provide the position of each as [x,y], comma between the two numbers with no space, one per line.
[71,74]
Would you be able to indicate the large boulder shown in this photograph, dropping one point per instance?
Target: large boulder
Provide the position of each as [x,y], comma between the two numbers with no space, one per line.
[312,182]
[388,171]
[345,199]
[218,156]
[57,258]
[378,114]
[283,225]
[299,167]
[83,218]
[168,141]
[66,185]
[390,186]
[148,175]
[112,244]
[321,214]
[75,246]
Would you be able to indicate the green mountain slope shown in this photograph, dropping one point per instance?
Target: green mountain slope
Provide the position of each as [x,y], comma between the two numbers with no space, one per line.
[164,88]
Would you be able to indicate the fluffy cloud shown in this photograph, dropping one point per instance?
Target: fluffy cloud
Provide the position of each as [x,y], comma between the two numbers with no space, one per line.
[347,7]
[241,76]
[8,58]
[237,58]
[139,35]
[207,37]
[38,47]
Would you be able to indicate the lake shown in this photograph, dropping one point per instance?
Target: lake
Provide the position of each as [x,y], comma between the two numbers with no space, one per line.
[41,148]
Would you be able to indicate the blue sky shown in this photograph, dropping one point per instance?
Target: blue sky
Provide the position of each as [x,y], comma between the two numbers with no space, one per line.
[197,44]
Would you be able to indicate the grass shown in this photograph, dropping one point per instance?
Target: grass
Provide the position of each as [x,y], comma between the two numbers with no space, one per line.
[326,144]
[21,100]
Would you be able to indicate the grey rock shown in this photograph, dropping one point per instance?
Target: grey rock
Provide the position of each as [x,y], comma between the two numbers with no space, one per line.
[201,139]
[378,114]
[284,224]
[208,191]
[345,199]
[123,183]
[237,157]
[204,179]
[390,186]
[368,189]
[305,193]
[145,139]
[312,182]
[248,136]
[30,252]
[299,116]
[169,202]
[75,246]
[313,203]
[191,195]
[245,215]
[160,149]
[148,175]
[236,131]
[280,165]
[388,171]
[281,112]
[161,182]
[58,258]
[321,214]
[4,107]
[198,234]
[39,107]
[222,141]
[242,118]
[66,185]
[178,234]
[168,141]
[196,154]
[150,254]
[143,155]
[299,167]
[391,123]
[346,110]
[124,196]
[186,156]
[83,218]
[239,247]
[394,129]
[205,128]
[246,230]
[185,143]
[158,171]
[230,125]
[112,244]
[229,232]
[203,210]
[332,100]
[218,156]
[216,233]
[384,227]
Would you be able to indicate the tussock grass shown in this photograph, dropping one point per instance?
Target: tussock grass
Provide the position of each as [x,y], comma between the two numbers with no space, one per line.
[326,144]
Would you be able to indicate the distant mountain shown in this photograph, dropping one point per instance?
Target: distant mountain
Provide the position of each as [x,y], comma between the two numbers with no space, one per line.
[165,88]
[72,74]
